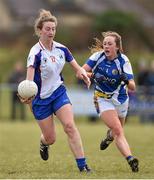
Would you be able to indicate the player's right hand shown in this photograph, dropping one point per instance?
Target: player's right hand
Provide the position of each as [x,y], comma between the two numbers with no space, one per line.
[25,100]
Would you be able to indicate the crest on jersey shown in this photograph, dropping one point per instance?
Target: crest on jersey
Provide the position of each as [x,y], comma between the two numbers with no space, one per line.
[114,71]
[53,59]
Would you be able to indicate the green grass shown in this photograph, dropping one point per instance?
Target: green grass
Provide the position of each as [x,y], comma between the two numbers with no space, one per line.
[19,153]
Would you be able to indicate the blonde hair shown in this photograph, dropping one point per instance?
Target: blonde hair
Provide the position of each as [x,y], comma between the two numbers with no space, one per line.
[98,46]
[44,16]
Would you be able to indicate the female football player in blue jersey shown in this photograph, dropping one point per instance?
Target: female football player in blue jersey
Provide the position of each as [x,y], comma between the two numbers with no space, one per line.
[112,75]
[44,66]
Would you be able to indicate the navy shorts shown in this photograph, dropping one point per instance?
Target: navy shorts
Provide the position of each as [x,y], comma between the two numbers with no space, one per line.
[43,111]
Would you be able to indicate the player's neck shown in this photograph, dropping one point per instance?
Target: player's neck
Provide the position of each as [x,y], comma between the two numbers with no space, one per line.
[112,57]
[47,44]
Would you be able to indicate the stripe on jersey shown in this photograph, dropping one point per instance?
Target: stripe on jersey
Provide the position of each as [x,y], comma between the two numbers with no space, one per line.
[67,53]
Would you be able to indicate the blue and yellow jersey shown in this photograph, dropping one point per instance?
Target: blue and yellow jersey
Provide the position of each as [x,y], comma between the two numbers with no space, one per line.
[107,72]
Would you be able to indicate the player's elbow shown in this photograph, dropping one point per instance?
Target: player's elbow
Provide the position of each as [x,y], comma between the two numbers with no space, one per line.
[131,85]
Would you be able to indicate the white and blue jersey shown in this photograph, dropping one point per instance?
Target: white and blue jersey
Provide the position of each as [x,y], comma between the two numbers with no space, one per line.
[108,71]
[48,66]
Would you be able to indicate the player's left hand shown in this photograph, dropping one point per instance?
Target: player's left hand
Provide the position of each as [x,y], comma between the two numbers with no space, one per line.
[86,80]
[124,78]
[82,74]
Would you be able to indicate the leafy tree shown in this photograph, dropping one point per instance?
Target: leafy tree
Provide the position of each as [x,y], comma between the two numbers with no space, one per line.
[116,21]
[126,24]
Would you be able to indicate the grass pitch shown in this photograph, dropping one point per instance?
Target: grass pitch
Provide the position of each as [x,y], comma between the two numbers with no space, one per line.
[19,153]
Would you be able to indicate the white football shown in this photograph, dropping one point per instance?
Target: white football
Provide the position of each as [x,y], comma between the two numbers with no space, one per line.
[27,89]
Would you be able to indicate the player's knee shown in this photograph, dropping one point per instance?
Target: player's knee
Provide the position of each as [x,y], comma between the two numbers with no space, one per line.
[70,129]
[50,139]
[117,131]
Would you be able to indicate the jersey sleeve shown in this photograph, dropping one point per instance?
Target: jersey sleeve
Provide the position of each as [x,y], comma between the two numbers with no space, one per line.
[127,68]
[33,59]
[92,60]
[68,55]
[30,60]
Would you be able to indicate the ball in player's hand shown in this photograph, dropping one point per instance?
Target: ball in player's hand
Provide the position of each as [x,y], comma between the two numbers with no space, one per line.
[27,89]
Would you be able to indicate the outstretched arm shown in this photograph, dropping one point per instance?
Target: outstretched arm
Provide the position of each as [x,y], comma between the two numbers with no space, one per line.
[80,72]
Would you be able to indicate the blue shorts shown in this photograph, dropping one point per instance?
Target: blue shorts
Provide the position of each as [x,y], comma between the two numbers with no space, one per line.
[43,111]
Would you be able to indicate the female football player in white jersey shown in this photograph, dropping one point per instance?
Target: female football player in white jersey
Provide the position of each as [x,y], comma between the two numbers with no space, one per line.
[112,75]
[44,66]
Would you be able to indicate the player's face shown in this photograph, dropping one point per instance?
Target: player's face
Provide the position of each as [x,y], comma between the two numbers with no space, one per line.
[48,31]
[110,47]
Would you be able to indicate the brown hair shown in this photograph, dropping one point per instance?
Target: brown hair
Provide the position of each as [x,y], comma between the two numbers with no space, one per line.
[44,16]
[98,46]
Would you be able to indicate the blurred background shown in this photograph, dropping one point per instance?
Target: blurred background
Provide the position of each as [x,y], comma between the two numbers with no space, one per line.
[79,22]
